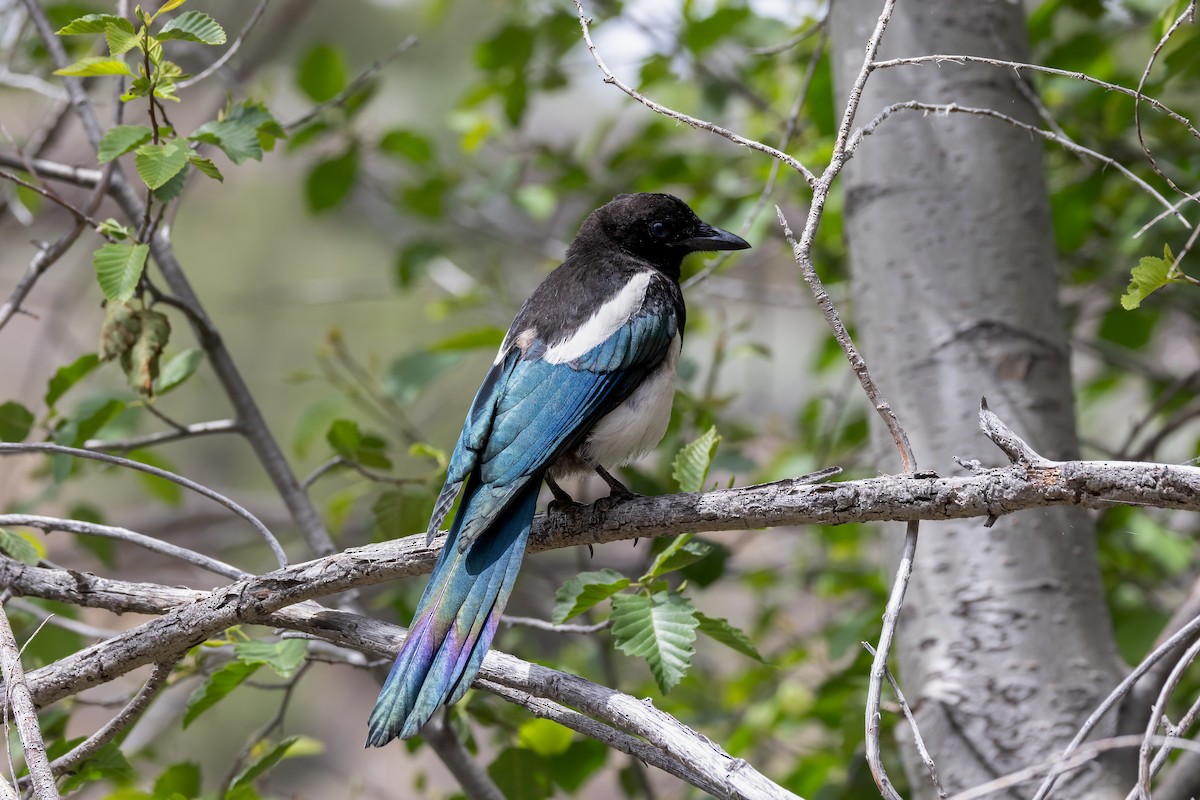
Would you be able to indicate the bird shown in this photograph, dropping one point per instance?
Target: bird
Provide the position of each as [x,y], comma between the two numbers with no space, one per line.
[583,380]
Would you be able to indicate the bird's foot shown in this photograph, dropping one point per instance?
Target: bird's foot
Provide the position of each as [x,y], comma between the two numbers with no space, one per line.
[618,492]
[562,500]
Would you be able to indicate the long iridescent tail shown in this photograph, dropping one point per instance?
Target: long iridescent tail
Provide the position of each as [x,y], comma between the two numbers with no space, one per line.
[456,618]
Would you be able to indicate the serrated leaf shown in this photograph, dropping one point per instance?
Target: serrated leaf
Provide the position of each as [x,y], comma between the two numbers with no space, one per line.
[172,188]
[1150,275]
[206,166]
[660,629]
[66,377]
[95,66]
[178,780]
[215,688]
[120,329]
[192,26]
[264,764]
[120,140]
[690,468]
[15,422]
[94,23]
[177,370]
[725,633]
[120,40]
[18,547]
[684,550]
[344,437]
[158,163]
[284,657]
[119,268]
[322,73]
[584,591]
[238,132]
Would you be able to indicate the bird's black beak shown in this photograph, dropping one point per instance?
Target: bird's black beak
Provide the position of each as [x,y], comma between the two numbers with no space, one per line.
[707,237]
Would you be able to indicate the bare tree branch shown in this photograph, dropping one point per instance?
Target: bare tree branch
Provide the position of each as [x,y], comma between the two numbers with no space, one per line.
[17,697]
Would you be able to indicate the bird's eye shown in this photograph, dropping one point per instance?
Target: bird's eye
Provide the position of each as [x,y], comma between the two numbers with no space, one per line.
[658,230]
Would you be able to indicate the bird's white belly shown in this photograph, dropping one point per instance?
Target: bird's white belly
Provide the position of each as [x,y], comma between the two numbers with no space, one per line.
[638,424]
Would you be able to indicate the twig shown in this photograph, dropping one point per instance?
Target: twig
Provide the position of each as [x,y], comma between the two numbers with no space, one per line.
[474,780]
[912,724]
[818,27]
[1188,12]
[126,717]
[52,197]
[234,46]
[366,472]
[1022,66]
[359,81]
[50,524]
[18,697]
[59,621]
[78,176]
[44,447]
[191,431]
[1067,144]
[794,163]
[1158,714]
[553,627]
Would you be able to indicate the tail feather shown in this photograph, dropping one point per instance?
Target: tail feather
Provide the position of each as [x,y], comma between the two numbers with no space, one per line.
[456,618]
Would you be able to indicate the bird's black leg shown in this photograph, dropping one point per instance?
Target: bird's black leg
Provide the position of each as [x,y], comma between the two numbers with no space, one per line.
[619,491]
[561,499]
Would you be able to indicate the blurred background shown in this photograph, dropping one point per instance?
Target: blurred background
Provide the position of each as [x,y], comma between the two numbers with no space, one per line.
[365,269]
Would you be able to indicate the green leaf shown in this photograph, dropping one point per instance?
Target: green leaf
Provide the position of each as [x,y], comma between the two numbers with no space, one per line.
[1150,275]
[239,133]
[264,764]
[66,377]
[690,468]
[119,268]
[728,635]
[489,337]
[215,687]
[192,26]
[94,23]
[170,5]
[95,66]
[581,761]
[660,629]
[407,144]
[330,181]
[120,140]
[19,547]
[344,437]
[178,780]
[177,370]
[87,420]
[544,737]
[584,591]
[120,40]
[314,421]
[206,166]
[107,763]
[158,163]
[172,188]
[165,490]
[322,73]
[520,775]
[15,422]
[681,552]
[284,657]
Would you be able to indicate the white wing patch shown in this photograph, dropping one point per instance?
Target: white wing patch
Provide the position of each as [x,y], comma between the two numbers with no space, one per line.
[604,323]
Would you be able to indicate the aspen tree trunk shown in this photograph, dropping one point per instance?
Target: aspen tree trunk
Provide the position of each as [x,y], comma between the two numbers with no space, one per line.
[1005,642]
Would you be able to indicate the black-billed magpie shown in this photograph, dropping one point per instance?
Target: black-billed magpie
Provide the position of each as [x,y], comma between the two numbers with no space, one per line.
[583,380]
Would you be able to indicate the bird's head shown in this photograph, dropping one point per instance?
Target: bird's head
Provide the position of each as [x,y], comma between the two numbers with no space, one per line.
[659,228]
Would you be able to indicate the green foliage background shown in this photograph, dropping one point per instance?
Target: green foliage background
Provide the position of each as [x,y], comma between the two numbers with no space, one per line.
[362,266]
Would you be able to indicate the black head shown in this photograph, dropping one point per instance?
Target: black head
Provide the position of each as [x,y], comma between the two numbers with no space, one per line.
[658,228]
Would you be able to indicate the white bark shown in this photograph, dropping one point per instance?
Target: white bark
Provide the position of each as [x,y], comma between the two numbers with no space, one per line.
[1005,641]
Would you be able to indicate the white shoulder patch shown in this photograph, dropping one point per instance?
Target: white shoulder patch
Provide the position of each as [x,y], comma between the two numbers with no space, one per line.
[604,323]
